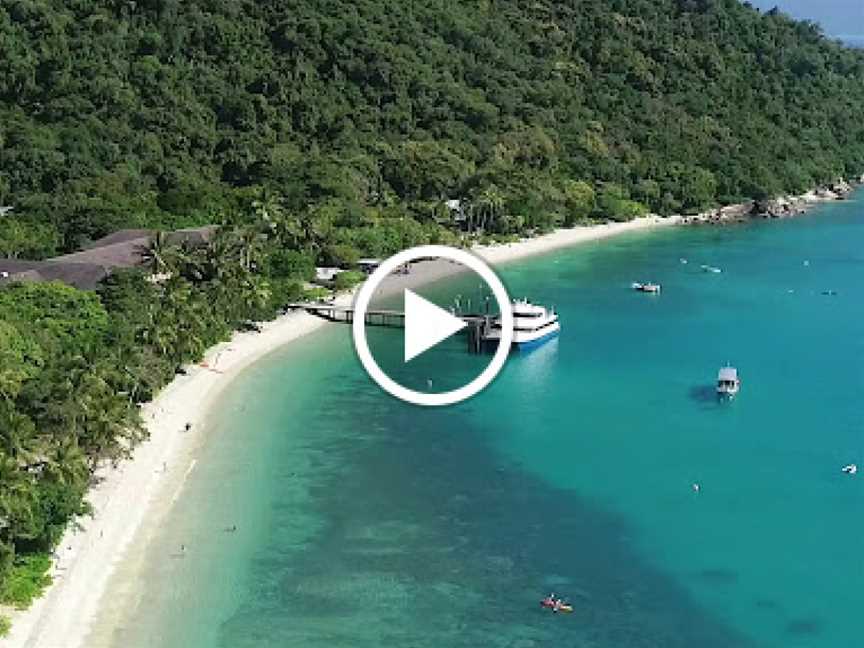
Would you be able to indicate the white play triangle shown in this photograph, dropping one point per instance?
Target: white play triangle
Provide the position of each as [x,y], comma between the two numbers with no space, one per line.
[426,325]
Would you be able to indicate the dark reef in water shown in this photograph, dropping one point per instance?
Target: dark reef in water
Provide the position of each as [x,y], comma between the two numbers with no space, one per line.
[427,541]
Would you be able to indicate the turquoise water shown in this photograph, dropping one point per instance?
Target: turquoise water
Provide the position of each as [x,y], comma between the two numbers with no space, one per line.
[362,521]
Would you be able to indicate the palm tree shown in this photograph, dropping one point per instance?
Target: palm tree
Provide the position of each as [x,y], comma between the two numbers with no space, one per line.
[158,255]
[489,204]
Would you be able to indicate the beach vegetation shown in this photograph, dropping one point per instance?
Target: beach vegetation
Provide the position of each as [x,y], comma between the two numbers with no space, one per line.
[26,580]
[348,279]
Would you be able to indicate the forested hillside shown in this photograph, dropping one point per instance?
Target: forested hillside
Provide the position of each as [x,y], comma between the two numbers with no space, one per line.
[162,112]
[314,131]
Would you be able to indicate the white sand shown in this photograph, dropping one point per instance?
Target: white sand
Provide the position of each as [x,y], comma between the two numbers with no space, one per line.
[146,486]
[498,254]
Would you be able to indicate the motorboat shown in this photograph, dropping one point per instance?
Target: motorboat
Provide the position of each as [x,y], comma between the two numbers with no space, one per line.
[728,382]
[646,287]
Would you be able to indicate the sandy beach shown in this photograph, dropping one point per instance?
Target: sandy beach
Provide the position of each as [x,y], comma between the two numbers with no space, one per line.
[144,487]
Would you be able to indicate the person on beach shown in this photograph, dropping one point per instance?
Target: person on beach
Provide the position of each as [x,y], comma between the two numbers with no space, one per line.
[187,427]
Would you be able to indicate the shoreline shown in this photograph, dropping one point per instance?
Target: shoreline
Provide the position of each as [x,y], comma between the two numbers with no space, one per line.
[145,486]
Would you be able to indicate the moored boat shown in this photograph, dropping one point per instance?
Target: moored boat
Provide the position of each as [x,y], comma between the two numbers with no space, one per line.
[533,325]
[646,287]
[728,382]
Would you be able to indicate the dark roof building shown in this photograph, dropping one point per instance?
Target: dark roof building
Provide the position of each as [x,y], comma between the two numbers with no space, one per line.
[126,254]
[86,268]
[85,276]
[193,236]
[121,236]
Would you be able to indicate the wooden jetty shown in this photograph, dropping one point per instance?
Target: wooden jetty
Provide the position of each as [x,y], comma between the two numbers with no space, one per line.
[345,314]
[477,327]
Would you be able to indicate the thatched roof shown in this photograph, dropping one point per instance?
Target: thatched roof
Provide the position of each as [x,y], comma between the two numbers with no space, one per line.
[126,254]
[84,276]
[85,269]
[193,236]
[121,236]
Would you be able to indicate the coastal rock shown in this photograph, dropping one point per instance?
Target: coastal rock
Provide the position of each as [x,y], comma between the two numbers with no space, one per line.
[780,207]
[729,214]
[841,189]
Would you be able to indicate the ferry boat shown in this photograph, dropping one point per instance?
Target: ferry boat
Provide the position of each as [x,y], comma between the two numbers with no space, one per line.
[532,325]
[728,382]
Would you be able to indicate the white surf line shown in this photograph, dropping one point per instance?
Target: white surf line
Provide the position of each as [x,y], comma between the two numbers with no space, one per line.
[188,472]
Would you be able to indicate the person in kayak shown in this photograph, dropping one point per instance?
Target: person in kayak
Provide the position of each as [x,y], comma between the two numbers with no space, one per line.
[549,601]
[556,604]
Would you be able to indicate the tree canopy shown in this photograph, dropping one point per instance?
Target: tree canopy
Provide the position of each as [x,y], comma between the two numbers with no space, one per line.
[166,113]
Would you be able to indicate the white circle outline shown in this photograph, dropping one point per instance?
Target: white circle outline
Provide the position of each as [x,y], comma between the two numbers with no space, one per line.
[361,304]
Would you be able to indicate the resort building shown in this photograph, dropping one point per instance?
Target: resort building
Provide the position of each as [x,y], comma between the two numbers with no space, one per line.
[86,268]
[326,276]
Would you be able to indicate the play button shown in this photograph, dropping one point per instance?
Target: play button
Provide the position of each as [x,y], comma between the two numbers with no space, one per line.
[426,325]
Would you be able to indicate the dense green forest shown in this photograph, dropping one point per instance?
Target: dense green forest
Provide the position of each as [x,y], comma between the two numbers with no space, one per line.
[167,113]
[322,130]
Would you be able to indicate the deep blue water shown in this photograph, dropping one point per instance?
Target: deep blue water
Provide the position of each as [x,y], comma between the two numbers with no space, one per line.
[363,521]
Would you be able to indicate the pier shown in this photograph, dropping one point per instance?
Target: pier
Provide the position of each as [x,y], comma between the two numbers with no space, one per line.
[345,314]
[478,324]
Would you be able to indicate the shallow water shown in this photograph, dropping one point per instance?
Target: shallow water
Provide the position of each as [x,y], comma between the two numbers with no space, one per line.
[362,521]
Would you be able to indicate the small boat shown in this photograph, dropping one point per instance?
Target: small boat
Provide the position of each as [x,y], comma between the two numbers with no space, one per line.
[851,469]
[646,287]
[728,382]
[829,293]
[714,269]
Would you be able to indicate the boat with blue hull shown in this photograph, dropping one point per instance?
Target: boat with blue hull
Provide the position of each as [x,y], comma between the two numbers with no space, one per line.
[533,344]
[533,326]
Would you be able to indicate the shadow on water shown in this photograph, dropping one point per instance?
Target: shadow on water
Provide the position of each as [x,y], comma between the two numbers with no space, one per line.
[426,541]
[804,628]
[706,394]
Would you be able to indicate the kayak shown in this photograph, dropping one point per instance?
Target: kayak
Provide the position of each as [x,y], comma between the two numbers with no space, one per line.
[550,605]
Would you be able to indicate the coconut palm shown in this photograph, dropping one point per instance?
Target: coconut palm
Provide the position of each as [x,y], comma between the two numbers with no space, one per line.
[489,203]
[156,254]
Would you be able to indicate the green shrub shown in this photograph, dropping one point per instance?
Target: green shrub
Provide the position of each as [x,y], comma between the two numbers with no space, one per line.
[315,294]
[26,580]
[347,280]
[5,626]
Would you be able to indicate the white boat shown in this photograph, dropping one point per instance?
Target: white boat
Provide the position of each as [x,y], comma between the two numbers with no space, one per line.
[851,469]
[712,269]
[532,325]
[728,382]
[646,287]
